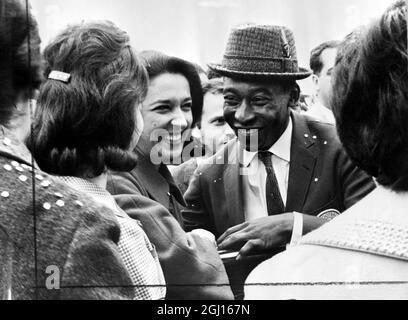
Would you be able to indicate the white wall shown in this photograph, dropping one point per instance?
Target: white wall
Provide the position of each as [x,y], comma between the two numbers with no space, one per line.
[197,29]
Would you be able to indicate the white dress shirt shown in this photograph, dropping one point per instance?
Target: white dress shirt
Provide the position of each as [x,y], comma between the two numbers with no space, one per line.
[254,178]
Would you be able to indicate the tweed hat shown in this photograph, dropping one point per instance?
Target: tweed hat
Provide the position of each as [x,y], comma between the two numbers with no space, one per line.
[260,51]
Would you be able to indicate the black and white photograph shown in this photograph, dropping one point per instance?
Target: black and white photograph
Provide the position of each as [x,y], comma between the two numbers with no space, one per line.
[221,152]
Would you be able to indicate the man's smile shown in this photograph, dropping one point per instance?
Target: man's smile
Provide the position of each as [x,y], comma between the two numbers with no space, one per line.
[248,132]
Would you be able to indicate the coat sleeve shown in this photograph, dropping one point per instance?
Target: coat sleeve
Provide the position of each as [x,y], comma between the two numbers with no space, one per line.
[196,215]
[356,183]
[94,268]
[191,265]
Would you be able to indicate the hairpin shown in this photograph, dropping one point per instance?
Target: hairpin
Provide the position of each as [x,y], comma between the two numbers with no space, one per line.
[59,76]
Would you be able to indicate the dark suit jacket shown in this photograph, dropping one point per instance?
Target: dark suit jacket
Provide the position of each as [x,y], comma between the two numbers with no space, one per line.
[80,240]
[183,174]
[192,268]
[321,176]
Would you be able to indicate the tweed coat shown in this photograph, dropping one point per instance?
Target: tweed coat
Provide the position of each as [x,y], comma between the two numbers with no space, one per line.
[158,186]
[321,177]
[52,225]
[192,267]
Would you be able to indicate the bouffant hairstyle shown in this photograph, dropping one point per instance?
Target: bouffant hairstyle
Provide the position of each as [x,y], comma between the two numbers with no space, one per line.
[157,63]
[86,126]
[370,102]
[20,57]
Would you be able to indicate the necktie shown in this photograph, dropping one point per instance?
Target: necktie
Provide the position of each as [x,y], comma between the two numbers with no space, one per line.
[273,196]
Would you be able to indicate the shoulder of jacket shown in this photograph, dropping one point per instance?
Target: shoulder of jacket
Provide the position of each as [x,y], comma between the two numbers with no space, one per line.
[320,125]
[125,183]
[21,184]
[183,168]
[225,156]
[322,133]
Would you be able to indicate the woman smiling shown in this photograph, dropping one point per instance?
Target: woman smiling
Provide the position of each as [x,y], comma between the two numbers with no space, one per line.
[172,105]
[191,264]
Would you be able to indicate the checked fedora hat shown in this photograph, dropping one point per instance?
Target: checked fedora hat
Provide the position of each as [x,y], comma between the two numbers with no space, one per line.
[260,51]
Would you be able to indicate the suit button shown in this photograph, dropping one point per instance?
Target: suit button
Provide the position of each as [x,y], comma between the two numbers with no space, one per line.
[47,206]
[7,142]
[5,194]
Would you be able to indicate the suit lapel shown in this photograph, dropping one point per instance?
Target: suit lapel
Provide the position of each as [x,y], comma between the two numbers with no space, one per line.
[233,186]
[154,183]
[302,164]
[189,170]
[173,188]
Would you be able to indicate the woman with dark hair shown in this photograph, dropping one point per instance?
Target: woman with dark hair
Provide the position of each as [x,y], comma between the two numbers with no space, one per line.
[362,254]
[57,235]
[173,104]
[190,261]
[88,121]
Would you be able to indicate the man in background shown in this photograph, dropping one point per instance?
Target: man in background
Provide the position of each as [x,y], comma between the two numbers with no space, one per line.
[322,59]
[214,132]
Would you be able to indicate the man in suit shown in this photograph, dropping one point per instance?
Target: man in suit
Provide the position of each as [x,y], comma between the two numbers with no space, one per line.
[366,247]
[322,59]
[285,174]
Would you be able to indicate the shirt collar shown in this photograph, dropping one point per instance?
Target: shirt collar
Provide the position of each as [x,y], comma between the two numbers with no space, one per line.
[96,192]
[281,148]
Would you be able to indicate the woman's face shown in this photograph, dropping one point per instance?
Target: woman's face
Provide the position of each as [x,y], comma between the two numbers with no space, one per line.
[167,115]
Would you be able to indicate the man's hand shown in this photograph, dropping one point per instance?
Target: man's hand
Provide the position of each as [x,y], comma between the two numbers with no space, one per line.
[260,234]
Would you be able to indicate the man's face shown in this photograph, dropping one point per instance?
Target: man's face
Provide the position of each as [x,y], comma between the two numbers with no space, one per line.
[328,58]
[256,109]
[215,131]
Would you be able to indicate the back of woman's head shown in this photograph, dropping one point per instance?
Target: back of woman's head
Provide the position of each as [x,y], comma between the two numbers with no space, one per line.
[20,58]
[157,63]
[87,124]
[370,99]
